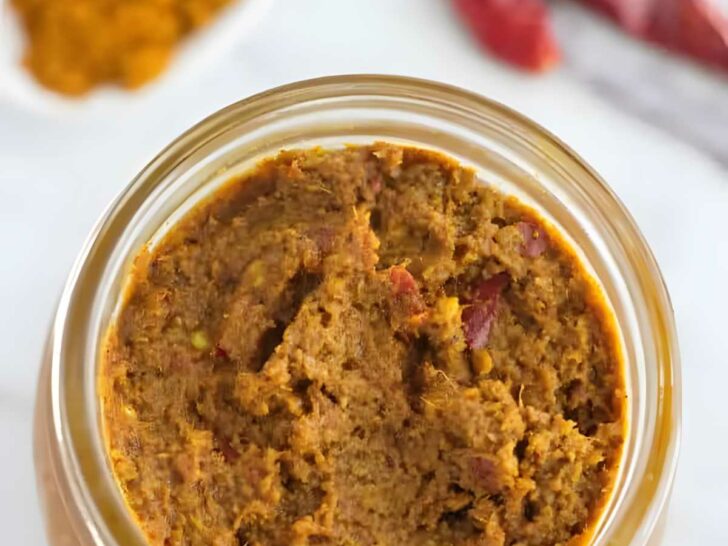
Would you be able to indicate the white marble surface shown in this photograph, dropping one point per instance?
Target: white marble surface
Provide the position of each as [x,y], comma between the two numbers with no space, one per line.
[57,175]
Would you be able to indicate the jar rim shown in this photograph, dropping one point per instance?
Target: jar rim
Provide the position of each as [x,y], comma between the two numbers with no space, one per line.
[77,446]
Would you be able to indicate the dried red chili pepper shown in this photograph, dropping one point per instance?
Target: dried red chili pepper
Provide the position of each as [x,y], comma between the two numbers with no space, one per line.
[491,287]
[478,318]
[407,298]
[219,352]
[692,27]
[376,183]
[516,31]
[486,473]
[634,15]
[402,281]
[534,239]
[477,321]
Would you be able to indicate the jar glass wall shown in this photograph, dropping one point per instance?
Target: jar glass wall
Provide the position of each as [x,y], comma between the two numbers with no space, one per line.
[82,502]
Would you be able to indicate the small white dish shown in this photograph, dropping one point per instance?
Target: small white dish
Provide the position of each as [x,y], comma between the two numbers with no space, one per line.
[197,51]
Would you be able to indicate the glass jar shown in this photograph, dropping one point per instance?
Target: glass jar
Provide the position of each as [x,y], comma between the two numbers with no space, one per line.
[82,502]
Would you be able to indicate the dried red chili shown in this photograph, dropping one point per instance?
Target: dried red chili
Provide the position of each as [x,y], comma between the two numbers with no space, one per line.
[516,31]
[491,287]
[402,281]
[695,28]
[519,32]
[692,27]
[534,239]
[633,15]
[478,318]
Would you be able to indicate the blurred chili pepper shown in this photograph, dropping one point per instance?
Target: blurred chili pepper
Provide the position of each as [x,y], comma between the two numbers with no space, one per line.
[695,28]
[519,31]
[692,27]
[516,31]
[633,15]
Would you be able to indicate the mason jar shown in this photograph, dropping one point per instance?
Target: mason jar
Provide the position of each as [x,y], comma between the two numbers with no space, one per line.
[82,502]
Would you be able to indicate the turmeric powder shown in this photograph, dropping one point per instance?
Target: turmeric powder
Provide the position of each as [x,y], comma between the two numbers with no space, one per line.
[76,45]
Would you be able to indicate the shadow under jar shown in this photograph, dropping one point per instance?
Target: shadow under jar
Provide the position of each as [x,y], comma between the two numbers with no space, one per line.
[82,501]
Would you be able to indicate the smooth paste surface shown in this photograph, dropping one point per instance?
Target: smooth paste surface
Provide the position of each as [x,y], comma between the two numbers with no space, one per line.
[364,346]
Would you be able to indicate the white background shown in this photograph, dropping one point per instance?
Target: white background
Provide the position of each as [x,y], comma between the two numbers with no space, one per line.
[57,175]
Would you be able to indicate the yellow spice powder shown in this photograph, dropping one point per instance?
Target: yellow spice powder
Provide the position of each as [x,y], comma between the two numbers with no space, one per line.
[75,45]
